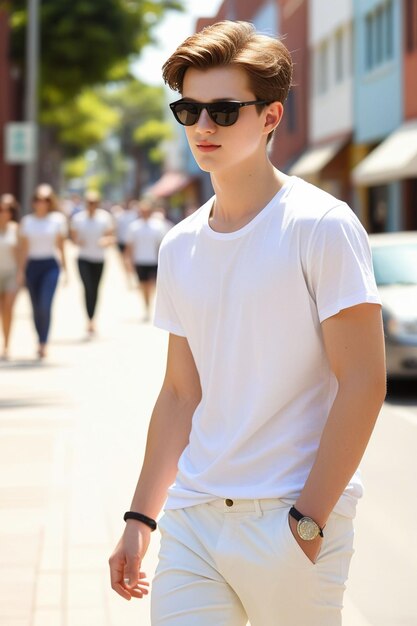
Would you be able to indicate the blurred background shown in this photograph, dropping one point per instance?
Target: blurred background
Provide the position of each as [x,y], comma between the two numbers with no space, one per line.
[83,111]
[98,116]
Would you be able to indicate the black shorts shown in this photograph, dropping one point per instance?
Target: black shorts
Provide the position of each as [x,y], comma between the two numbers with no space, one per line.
[146,272]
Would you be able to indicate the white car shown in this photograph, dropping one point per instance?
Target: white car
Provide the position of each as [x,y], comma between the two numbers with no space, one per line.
[395,265]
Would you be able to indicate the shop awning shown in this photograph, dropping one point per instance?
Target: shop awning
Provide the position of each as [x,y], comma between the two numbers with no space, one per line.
[170,183]
[315,159]
[394,159]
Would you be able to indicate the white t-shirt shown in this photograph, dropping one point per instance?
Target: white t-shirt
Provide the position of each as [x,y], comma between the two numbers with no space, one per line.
[89,232]
[250,304]
[42,233]
[123,221]
[145,236]
[8,245]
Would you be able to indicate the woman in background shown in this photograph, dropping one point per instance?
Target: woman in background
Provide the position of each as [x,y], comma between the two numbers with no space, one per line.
[41,237]
[92,230]
[8,265]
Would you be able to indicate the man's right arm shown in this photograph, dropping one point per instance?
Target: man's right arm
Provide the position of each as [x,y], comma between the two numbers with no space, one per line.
[168,435]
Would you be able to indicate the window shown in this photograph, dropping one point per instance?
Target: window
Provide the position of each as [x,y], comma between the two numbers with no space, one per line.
[339,56]
[379,35]
[323,68]
[389,31]
[369,35]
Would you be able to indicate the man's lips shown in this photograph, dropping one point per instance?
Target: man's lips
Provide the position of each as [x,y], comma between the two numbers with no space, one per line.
[207,147]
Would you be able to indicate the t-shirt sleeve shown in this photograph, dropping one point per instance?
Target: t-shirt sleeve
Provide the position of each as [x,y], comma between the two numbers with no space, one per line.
[339,264]
[166,315]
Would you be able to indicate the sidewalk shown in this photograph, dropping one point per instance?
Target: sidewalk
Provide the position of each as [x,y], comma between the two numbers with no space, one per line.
[72,435]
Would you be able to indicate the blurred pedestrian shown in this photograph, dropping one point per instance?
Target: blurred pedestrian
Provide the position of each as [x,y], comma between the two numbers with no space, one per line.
[124,218]
[8,264]
[41,256]
[92,230]
[160,212]
[275,369]
[75,205]
[143,239]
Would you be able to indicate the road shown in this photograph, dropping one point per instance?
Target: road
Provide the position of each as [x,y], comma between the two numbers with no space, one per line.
[72,435]
[384,569]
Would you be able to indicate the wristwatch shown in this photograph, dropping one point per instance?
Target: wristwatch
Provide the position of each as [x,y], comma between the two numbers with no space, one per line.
[307,528]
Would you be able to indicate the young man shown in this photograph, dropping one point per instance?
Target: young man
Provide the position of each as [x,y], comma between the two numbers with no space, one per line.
[275,369]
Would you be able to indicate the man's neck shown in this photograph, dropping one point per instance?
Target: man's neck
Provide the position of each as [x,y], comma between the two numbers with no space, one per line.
[241,195]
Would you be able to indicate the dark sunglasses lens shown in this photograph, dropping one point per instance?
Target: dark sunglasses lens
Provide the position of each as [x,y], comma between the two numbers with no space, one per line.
[224,113]
[186,113]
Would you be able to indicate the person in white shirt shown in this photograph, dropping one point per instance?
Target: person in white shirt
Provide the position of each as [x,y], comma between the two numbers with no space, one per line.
[92,231]
[275,368]
[41,235]
[143,239]
[8,265]
[124,218]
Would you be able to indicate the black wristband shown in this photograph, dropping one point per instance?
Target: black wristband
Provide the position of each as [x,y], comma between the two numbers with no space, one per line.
[139,517]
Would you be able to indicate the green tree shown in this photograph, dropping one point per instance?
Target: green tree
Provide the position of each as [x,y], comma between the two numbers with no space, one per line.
[84,44]
[142,126]
[82,122]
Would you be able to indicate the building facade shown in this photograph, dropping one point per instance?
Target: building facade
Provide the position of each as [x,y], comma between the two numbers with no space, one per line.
[291,137]
[330,154]
[350,123]
[378,111]
[410,106]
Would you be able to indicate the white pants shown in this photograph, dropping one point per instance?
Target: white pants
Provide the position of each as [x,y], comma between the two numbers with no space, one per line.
[223,565]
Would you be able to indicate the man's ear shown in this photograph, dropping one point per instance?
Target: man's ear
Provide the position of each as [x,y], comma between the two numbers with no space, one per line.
[274,114]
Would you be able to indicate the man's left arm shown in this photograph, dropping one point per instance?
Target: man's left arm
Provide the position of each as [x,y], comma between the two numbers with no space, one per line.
[354,344]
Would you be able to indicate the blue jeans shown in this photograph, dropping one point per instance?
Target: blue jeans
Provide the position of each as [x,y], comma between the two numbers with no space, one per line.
[41,280]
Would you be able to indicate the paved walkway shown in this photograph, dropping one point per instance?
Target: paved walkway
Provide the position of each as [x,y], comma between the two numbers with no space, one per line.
[72,435]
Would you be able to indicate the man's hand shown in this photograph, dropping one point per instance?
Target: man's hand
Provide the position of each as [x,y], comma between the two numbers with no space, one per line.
[310,548]
[126,576]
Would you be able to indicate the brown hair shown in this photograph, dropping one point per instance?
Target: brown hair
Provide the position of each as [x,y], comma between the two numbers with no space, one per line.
[8,200]
[266,61]
[45,192]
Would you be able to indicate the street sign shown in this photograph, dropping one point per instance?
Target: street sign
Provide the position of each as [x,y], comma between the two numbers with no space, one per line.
[20,142]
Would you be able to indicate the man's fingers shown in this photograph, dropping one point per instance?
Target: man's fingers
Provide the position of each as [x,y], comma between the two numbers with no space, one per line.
[131,572]
[139,592]
[122,591]
[117,572]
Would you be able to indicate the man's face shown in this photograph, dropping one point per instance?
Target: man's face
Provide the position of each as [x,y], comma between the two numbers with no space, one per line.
[216,148]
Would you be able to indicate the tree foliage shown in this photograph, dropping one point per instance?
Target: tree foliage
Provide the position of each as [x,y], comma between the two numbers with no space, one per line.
[86,42]
[142,111]
[84,45]
[142,126]
[83,121]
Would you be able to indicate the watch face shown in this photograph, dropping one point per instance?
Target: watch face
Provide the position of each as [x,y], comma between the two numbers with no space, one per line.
[307,529]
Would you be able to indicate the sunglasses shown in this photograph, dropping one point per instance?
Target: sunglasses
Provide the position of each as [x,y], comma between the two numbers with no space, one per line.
[223,113]
[39,199]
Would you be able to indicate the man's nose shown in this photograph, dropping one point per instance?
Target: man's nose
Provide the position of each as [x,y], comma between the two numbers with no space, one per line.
[205,123]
